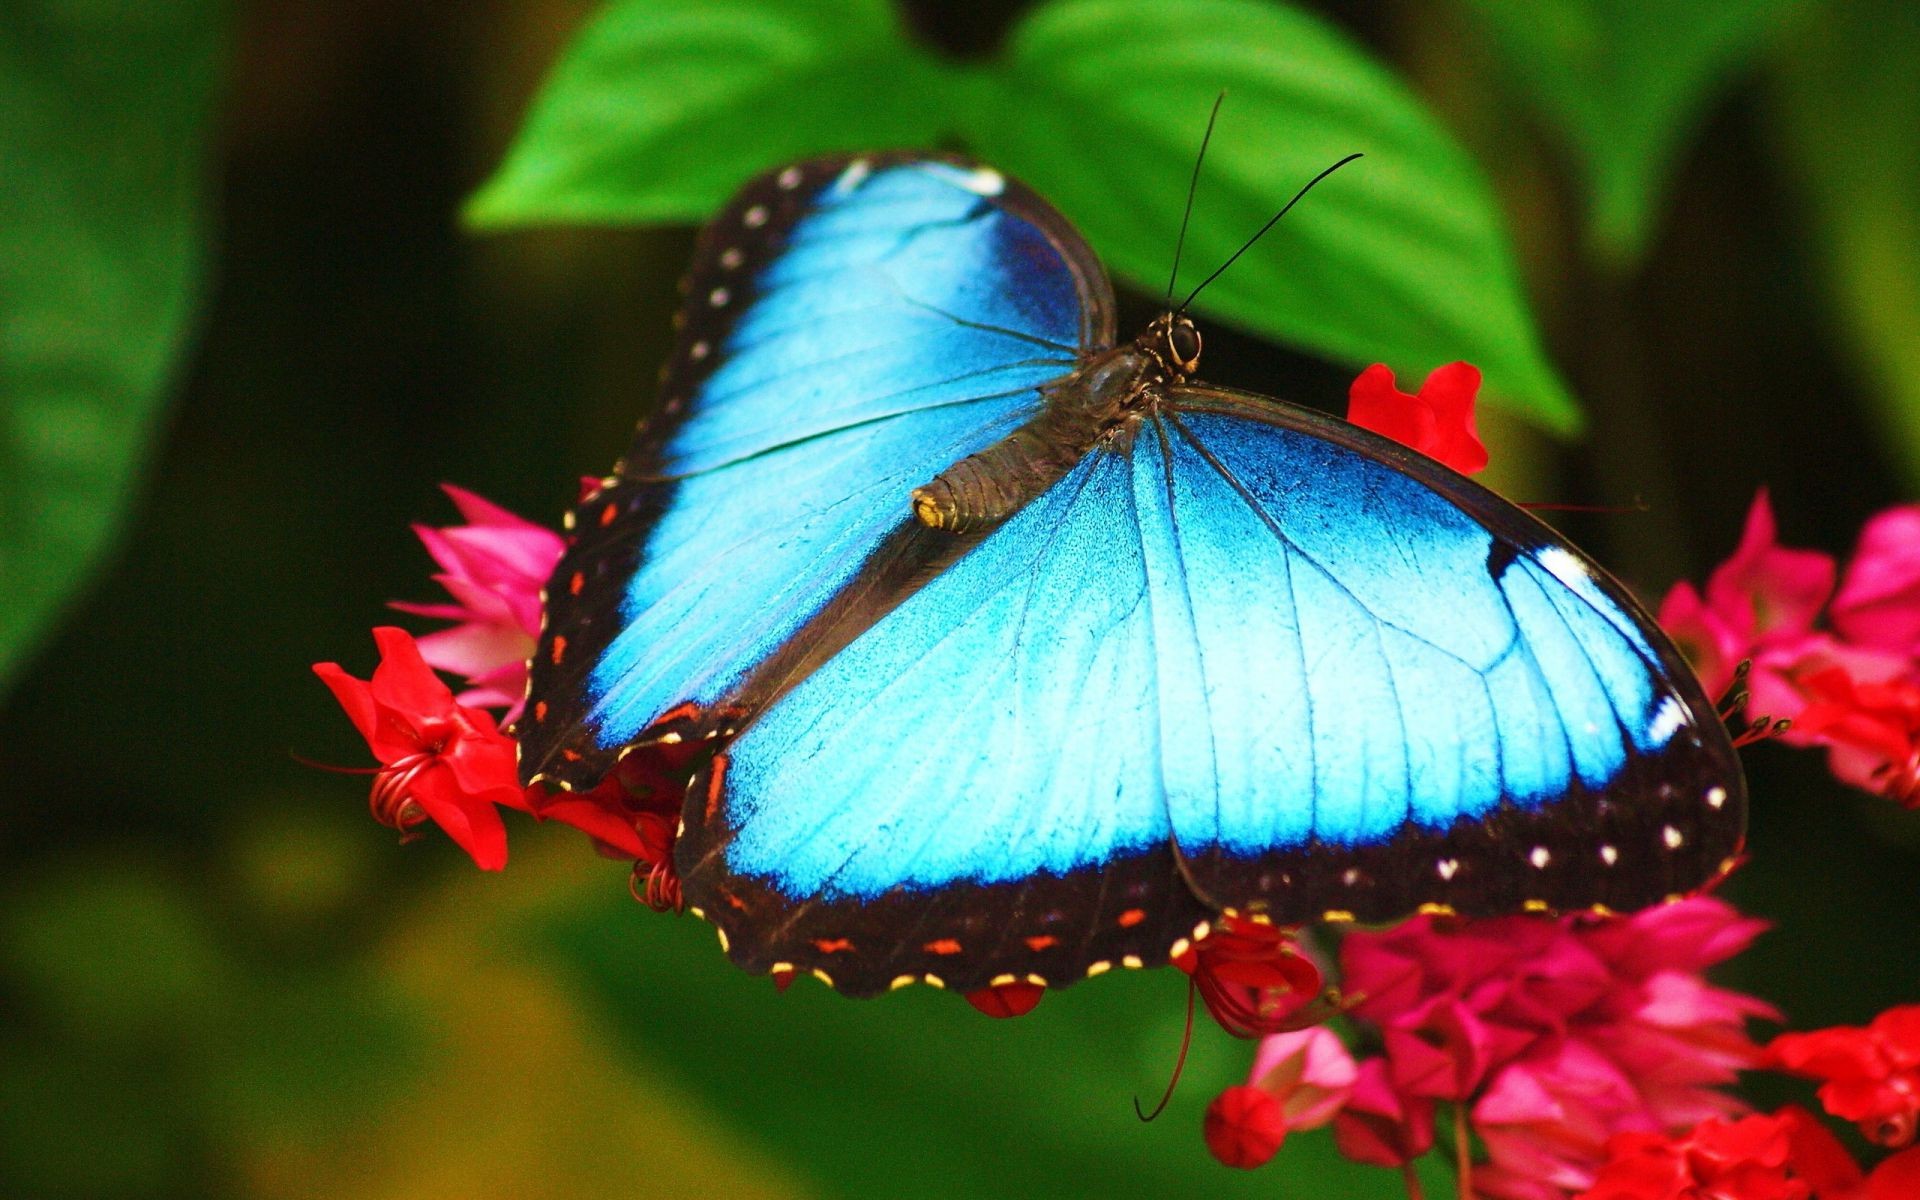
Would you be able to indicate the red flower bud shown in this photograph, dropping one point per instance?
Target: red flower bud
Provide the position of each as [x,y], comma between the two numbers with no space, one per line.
[1244,1127]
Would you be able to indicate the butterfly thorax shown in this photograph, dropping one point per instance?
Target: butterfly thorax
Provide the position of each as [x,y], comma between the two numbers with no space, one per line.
[1101,400]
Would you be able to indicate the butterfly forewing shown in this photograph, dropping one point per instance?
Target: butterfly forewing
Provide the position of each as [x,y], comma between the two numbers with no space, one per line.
[852,327]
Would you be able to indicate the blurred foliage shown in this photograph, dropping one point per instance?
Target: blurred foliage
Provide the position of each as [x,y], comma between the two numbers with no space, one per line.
[1401,259]
[1626,83]
[1855,154]
[103,109]
[218,978]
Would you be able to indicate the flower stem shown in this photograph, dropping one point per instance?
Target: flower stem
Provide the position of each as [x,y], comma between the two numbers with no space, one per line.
[1462,1152]
[1412,1178]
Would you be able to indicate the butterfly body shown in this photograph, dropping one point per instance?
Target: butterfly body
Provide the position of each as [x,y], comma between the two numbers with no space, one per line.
[1025,655]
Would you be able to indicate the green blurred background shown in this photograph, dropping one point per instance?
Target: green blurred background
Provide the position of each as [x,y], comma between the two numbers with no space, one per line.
[219,978]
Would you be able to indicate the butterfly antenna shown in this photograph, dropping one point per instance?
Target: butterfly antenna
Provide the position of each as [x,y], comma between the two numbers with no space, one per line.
[317,765]
[1271,221]
[1179,1064]
[1192,185]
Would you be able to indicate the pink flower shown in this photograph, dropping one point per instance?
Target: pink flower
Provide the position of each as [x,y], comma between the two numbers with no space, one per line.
[442,760]
[494,567]
[1712,645]
[1545,1120]
[1378,1125]
[1760,604]
[1438,422]
[1308,1071]
[1766,591]
[1557,1032]
[1879,599]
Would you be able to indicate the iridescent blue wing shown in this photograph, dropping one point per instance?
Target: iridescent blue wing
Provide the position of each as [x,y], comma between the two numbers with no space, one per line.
[1243,658]
[852,327]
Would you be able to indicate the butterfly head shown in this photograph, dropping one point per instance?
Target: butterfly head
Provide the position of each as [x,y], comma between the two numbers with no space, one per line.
[1174,343]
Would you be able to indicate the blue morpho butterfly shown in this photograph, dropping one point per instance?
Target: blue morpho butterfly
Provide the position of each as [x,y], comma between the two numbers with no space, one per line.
[1026,654]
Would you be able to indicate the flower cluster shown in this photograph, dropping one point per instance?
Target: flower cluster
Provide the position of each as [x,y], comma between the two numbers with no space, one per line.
[1786,1156]
[1546,1035]
[1850,683]
[445,758]
[1870,1076]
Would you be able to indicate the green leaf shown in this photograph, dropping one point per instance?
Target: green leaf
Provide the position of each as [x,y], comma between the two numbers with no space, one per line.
[1849,109]
[916,1094]
[103,114]
[1624,84]
[660,110]
[1399,257]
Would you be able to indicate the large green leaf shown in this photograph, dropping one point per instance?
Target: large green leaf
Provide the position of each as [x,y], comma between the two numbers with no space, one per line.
[915,1094]
[659,110]
[103,109]
[1849,103]
[1400,257]
[1624,83]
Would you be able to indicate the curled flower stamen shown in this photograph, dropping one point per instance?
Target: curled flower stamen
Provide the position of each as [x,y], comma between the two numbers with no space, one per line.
[1254,980]
[661,891]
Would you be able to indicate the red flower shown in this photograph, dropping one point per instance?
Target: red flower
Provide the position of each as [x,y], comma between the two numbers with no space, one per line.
[494,567]
[1871,1074]
[442,760]
[1253,977]
[1300,1080]
[1873,729]
[1244,1127]
[1786,1156]
[1438,422]
[1747,1159]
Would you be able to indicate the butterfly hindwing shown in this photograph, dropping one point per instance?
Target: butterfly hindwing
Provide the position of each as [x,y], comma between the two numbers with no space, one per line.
[1306,670]
[1476,715]
[852,327]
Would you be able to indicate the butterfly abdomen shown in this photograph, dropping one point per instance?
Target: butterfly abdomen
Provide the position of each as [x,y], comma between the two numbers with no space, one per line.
[986,488]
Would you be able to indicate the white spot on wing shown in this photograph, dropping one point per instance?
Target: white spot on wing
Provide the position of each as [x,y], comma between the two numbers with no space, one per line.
[1716,797]
[1565,567]
[851,178]
[984,181]
[756,216]
[1448,867]
[1667,720]
[790,178]
[1671,837]
[1540,857]
[1609,855]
